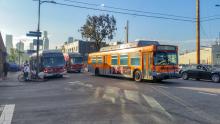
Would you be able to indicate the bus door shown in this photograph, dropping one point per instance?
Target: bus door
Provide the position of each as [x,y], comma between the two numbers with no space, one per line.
[105,64]
[147,60]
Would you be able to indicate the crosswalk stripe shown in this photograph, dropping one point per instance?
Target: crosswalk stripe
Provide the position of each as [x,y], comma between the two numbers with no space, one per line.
[155,105]
[7,114]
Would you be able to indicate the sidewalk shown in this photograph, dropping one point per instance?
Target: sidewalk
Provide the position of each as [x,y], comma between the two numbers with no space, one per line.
[11,80]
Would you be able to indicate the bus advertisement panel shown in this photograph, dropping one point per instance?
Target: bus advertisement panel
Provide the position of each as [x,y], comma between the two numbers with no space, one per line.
[52,63]
[137,60]
[74,62]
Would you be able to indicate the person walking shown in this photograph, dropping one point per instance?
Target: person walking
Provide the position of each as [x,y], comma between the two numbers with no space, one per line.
[5,70]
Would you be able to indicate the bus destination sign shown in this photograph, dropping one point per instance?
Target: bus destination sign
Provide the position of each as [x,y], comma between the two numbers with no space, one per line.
[166,47]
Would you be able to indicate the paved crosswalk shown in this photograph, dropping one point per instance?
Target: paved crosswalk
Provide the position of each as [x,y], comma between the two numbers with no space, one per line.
[7,114]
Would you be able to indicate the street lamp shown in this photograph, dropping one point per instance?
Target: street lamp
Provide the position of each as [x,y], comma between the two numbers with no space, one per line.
[38,29]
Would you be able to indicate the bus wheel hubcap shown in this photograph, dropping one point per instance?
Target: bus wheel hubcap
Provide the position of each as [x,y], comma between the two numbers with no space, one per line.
[137,76]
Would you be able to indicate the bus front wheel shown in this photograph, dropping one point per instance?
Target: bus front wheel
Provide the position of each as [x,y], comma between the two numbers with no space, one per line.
[137,76]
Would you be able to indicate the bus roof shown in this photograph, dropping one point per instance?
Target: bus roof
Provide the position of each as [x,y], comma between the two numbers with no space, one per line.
[135,49]
[73,54]
[46,52]
[135,44]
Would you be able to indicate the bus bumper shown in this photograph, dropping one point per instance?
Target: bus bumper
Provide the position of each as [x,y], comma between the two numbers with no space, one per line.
[162,76]
[75,70]
[54,74]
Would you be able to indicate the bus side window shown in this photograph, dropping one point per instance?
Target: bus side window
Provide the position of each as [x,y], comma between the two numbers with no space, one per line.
[94,60]
[114,60]
[135,59]
[99,58]
[124,59]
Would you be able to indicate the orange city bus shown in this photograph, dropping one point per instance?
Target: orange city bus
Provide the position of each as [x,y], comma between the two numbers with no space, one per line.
[138,60]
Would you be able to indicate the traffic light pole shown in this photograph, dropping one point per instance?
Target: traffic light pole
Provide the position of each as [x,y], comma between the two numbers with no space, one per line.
[38,30]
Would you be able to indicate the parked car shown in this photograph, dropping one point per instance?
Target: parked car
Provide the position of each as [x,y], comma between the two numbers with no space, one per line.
[206,72]
[13,67]
[183,67]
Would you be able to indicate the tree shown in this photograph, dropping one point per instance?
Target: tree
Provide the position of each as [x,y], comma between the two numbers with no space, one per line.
[99,28]
[13,55]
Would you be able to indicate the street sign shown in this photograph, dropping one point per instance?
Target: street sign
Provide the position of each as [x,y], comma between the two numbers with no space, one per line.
[35,42]
[34,34]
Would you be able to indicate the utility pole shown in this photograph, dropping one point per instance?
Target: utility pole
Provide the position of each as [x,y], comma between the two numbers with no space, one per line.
[126,30]
[198,31]
[19,53]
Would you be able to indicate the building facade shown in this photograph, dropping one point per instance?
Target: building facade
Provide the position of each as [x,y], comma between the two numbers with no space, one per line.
[216,54]
[70,40]
[2,55]
[208,55]
[31,46]
[114,43]
[20,46]
[9,42]
[80,46]
[45,41]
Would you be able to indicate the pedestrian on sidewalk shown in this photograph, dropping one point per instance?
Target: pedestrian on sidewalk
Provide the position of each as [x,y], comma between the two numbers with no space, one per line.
[5,70]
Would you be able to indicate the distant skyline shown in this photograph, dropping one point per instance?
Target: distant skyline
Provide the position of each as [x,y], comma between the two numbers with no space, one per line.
[61,22]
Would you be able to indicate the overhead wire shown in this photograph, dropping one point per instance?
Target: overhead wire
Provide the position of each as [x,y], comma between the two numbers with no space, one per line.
[130,10]
[125,13]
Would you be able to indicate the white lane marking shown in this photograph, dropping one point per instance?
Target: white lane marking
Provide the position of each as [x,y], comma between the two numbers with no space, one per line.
[81,83]
[132,95]
[212,94]
[75,82]
[155,105]
[7,114]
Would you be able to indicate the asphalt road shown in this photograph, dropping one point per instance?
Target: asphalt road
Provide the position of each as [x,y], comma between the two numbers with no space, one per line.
[81,98]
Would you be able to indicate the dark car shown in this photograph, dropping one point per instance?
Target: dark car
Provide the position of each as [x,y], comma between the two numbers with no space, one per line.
[205,72]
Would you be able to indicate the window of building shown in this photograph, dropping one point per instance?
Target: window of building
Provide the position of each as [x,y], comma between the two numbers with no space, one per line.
[135,59]
[123,59]
[99,59]
[218,56]
[114,60]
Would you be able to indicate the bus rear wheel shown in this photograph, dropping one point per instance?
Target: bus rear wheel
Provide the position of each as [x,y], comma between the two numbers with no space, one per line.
[137,76]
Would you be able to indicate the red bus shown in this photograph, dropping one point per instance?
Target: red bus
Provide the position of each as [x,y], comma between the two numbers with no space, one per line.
[74,62]
[51,63]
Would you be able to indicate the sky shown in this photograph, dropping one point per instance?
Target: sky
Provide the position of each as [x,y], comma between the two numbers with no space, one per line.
[17,17]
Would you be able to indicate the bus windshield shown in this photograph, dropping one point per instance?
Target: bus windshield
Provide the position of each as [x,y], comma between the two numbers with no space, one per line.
[53,61]
[76,60]
[165,58]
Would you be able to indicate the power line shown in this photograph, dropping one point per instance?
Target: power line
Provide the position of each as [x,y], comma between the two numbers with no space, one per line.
[203,31]
[211,19]
[130,10]
[125,13]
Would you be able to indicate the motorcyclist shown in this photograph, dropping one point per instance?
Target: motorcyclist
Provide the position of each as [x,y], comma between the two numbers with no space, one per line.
[26,71]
